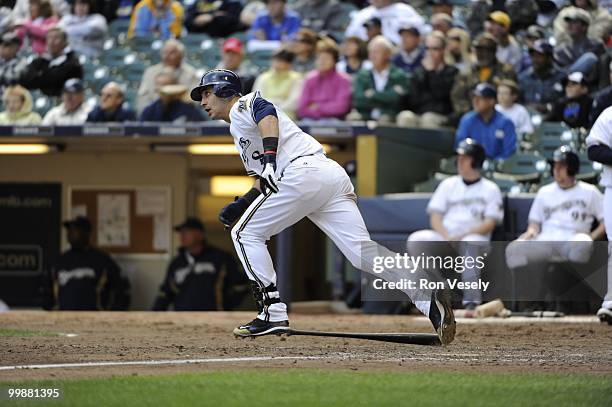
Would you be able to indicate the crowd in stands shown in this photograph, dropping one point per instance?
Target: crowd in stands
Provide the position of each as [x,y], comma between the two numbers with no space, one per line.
[407,63]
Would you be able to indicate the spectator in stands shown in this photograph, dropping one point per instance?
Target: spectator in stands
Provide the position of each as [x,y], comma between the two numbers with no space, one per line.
[251,10]
[522,13]
[201,277]
[485,69]
[50,71]
[507,95]
[326,92]
[458,49]
[171,105]
[392,15]
[232,57]
[578,53]
[213,17]
[72,111]
[541,82]
[323,16]
[377,92]
[574,109]
[533,33]
[11,66]
[411,51]
[276,23]
[172,54]
[463,211]
[21,11]
[18,104]
[35,28]
[280,84]
[602,99]
[304,45]
[441,22]
[429,101]
[85,278]
[600,18]
[508,49]
[110,108]
[86,30]
[486,126]
[373,28]
[161,19]
[354,56]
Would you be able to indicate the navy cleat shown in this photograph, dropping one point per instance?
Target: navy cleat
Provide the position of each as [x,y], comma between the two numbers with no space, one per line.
[258,327]
[442,317]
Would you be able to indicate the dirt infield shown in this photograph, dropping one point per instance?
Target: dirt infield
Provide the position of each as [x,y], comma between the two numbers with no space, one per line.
[506,346]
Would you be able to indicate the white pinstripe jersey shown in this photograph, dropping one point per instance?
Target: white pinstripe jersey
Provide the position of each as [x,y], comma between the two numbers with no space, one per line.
[292,141]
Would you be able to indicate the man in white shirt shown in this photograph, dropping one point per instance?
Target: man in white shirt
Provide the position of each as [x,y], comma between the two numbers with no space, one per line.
[599,144]
[463,210]
[72,110]
[392,16]
[561,218]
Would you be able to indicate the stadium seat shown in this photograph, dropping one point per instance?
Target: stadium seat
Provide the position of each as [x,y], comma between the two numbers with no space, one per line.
[431,184]
[448,165]
[521,167]
[508,186]
[547,146]
[41,103]
[589,170]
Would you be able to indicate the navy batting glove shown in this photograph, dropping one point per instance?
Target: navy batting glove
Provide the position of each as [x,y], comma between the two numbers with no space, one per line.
[232,212]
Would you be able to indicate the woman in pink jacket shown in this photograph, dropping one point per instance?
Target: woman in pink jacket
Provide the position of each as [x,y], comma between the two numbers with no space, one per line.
[326,93]
[42,19]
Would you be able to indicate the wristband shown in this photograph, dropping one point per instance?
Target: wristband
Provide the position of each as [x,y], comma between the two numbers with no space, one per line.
[270,145]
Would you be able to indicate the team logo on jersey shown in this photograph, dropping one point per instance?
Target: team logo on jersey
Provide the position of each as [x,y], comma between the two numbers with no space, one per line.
[241,106]
[244,145]
[258,156]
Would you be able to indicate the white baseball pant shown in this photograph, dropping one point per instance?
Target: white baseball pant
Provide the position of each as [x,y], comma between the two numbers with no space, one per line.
[318,188]
[607,209]
[473,245]
[576,248]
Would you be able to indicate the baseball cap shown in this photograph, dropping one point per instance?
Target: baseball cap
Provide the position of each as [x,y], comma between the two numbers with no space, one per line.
[409,28]
[10,38]
[486,41]
[74,85]
[542,46]
[373,22]
[190,223]
[485,90]
[575,77]
[232,45]
[500,18]
[79,222]
[535,31]
[577,14]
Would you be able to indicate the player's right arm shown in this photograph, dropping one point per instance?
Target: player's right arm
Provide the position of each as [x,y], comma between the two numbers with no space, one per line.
[436,221]
[532,231]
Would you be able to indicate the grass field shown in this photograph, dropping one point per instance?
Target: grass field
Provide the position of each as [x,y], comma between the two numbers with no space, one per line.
[311,387]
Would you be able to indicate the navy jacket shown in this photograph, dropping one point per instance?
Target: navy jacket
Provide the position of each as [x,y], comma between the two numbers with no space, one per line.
[174,112]
[120,115]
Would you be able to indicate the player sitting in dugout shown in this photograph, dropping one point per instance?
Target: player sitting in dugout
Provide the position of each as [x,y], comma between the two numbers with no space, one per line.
[463,211]
[85,278]
[561,217]
[200,277]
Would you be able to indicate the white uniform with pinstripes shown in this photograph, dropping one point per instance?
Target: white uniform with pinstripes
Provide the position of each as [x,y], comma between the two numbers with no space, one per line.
[310,185]
[601,133]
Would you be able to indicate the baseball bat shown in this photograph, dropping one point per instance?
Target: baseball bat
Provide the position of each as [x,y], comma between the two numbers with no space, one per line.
[407,338]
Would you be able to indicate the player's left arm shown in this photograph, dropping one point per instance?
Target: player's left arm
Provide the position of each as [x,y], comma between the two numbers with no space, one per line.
[266,118]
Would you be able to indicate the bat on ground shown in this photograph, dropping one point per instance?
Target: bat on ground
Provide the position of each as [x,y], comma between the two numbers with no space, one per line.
[407,338]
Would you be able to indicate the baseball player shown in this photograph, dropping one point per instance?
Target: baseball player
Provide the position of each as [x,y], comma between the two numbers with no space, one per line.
[464,210]
[599,144]
[294,179]
[560,218]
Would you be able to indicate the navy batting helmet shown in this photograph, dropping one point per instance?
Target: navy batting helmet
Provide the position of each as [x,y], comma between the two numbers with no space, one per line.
[566,155]
[224,82]
[474,150]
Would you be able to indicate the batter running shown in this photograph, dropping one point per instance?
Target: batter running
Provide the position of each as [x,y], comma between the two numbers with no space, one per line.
[294,180]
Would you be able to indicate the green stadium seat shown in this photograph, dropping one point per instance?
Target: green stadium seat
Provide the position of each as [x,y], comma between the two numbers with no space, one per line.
[431,184]
[448,165]
[521,167]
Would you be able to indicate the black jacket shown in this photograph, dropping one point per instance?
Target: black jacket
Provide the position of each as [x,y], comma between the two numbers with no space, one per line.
[226,17]
[431,90]
[120,115]
[88,279]
[207,282]
[50,78]
[574,112]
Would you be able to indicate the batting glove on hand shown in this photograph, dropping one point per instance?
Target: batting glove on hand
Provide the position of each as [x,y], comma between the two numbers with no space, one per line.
[233,211]
[268,175]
